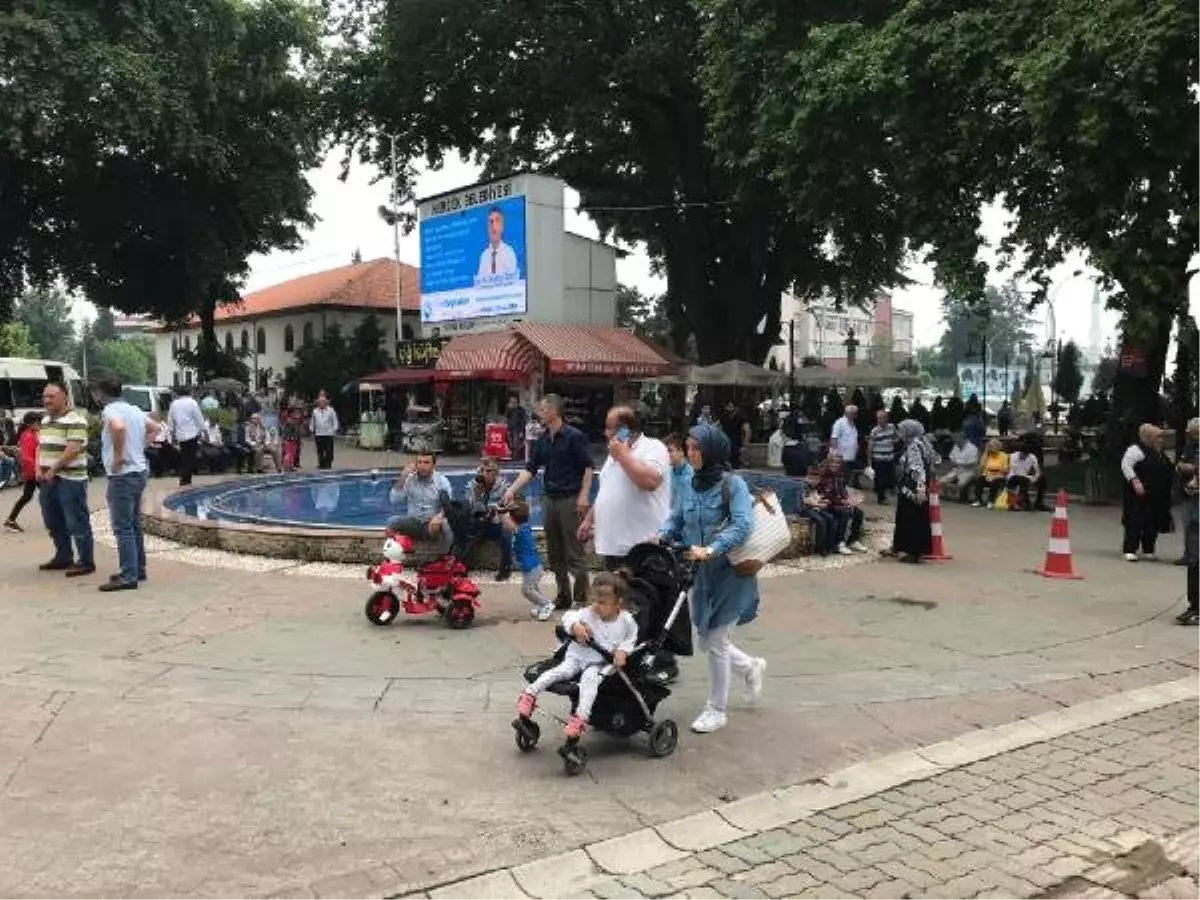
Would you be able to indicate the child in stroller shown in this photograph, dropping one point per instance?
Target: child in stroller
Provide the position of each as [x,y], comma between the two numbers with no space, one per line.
[619,700]
[602,633]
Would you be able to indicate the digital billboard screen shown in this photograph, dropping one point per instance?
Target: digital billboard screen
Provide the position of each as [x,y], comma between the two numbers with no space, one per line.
[473,259]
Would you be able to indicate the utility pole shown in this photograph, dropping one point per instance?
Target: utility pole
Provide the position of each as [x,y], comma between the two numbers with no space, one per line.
[396,247]
[792,366]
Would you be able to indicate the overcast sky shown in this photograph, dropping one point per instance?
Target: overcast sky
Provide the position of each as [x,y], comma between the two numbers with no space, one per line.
[347,220]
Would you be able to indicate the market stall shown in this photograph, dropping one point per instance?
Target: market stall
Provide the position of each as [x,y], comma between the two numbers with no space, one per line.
[590,367]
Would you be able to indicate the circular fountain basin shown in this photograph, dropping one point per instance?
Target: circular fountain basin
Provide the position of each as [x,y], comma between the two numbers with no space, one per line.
[321,516]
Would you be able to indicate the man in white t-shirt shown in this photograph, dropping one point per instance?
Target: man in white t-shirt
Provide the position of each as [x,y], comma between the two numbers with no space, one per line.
[843,438]
[634,499]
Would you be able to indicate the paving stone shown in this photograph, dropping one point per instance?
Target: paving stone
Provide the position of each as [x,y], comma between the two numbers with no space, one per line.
[684,873]
[892,889]
[843,862]
[635,852]
[859,880]
[482,887]
[967,886]
[561,875]
[901,872]
[1178,888]
[789,885]
[779,842]
[611,889]
[721,861]
[764,873]
[988,837]
[644,886]
[730,888]
[824,825]
[746,852]
[871,819]
[699,832]
[1067,866]
[820,871]
[877,853]
[820,892]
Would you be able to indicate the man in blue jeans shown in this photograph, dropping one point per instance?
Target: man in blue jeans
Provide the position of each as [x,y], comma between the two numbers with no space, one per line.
[63,482]
[123,449]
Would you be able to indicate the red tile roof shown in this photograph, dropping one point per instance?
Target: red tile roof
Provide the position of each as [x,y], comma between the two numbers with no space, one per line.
[365,285]
[594,350]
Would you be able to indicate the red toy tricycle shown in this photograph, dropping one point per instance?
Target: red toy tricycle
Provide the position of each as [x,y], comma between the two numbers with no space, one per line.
[441,587]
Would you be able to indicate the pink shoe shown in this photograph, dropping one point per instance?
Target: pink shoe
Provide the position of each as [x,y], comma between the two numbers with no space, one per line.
[525,704]
[575,728]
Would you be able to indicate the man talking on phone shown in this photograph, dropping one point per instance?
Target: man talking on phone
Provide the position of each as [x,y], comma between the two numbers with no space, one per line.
[634,499]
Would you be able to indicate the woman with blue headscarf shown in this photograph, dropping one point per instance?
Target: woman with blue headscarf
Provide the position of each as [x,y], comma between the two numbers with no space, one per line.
[721,599]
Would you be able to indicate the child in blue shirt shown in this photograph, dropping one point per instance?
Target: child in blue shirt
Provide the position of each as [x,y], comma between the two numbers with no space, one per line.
[515,521]
[681,469]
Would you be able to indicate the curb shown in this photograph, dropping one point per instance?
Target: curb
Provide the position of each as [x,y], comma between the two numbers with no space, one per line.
[566,874]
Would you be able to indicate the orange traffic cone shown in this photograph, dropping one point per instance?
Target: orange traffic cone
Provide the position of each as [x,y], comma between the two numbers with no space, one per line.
[1058,554]
[937,551]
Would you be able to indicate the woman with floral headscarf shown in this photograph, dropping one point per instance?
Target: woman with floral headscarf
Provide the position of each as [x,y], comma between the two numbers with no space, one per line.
[713,520]
[912,539]
[1149,477]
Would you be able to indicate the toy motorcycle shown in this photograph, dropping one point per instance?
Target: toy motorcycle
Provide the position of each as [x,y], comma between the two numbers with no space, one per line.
[440,587]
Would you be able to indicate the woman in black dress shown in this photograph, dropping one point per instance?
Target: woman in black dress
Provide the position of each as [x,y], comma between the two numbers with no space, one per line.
[1149,477]
[911,539]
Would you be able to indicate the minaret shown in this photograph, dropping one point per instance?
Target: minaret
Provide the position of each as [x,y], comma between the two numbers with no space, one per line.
[1094,331]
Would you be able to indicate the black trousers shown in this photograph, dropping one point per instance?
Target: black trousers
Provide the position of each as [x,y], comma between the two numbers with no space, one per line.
[187,459]
[324,451]
[28,490]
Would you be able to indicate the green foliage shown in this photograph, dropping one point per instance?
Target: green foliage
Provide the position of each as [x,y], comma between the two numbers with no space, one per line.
[365,353]
[645,316]
[1183,379]
[1068,377]
[1067,111]
[606,97]
[46,312]
[150,148]
[104,328]
[208,359]
[1001,317]
[15,340]
[130,361]
[1105,376]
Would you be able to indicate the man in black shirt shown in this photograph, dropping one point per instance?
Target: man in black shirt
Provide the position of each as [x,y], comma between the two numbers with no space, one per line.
[562,452]
[737,429]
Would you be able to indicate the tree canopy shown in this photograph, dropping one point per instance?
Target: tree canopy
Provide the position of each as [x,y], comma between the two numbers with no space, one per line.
[644,315]
[1067,111]
[1002,319]
[147,149]
[605,96]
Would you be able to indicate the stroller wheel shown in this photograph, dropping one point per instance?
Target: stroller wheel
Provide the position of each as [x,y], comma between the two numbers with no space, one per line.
[527,734]
[459,614]
[664,737]
[382,608]
[574,758]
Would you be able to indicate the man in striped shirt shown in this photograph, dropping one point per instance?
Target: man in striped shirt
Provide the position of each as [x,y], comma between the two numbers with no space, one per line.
[63,484]
[882,447]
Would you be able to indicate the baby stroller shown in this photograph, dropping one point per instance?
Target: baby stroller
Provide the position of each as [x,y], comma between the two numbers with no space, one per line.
[660,579]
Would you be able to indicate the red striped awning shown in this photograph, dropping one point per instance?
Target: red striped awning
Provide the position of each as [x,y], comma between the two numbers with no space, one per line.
[594,350]
[490,356]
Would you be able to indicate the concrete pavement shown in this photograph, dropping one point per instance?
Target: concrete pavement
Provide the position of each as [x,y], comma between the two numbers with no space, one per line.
[247,732]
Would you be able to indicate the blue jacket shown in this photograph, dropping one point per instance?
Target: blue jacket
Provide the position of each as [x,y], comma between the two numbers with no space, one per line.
[680,477]
[720,596]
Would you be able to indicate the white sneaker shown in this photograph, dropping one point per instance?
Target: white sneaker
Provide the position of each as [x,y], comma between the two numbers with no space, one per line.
[754,678]
[542,613]
[976,504]
[1131,557]
[843,549]
[991,506]
[858,547]
[709,721]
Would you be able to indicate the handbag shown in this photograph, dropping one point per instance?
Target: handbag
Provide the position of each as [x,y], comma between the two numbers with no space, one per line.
[1001,500]
[769,536]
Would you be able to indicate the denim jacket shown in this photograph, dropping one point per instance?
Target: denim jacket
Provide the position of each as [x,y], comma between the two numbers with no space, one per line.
[719,595]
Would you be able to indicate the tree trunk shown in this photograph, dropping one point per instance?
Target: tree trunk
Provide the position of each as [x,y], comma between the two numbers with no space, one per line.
[206,347]
[1136,397]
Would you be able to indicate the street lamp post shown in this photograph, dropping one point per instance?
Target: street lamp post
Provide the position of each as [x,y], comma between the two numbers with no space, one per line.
[391,215]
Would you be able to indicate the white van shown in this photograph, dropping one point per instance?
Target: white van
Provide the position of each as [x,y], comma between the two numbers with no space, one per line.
[22,381]
[148,398]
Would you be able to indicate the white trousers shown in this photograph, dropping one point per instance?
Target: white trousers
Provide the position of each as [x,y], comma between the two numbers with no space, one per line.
[589,675]
[723,658]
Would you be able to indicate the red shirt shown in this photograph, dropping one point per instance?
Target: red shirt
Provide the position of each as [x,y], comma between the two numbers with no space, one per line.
[28,445]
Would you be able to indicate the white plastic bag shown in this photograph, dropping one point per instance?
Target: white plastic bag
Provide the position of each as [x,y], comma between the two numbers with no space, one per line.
[769,535]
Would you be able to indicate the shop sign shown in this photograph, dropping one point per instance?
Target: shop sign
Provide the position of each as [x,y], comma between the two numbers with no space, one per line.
[620,369]
[1132,361]
[421,353]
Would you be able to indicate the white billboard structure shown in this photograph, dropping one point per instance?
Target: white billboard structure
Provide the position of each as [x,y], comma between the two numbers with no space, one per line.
[497,253]
[996,382]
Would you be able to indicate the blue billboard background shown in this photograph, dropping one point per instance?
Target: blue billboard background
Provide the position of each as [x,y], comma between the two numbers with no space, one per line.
[462,275]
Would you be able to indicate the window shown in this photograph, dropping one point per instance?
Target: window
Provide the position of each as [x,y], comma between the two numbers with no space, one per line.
[187,345]
[245,339]
[289,340]
[175,379]
[139,397]
[187,377]
[260,340]
[174,347]
[308,334]
[229,342]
